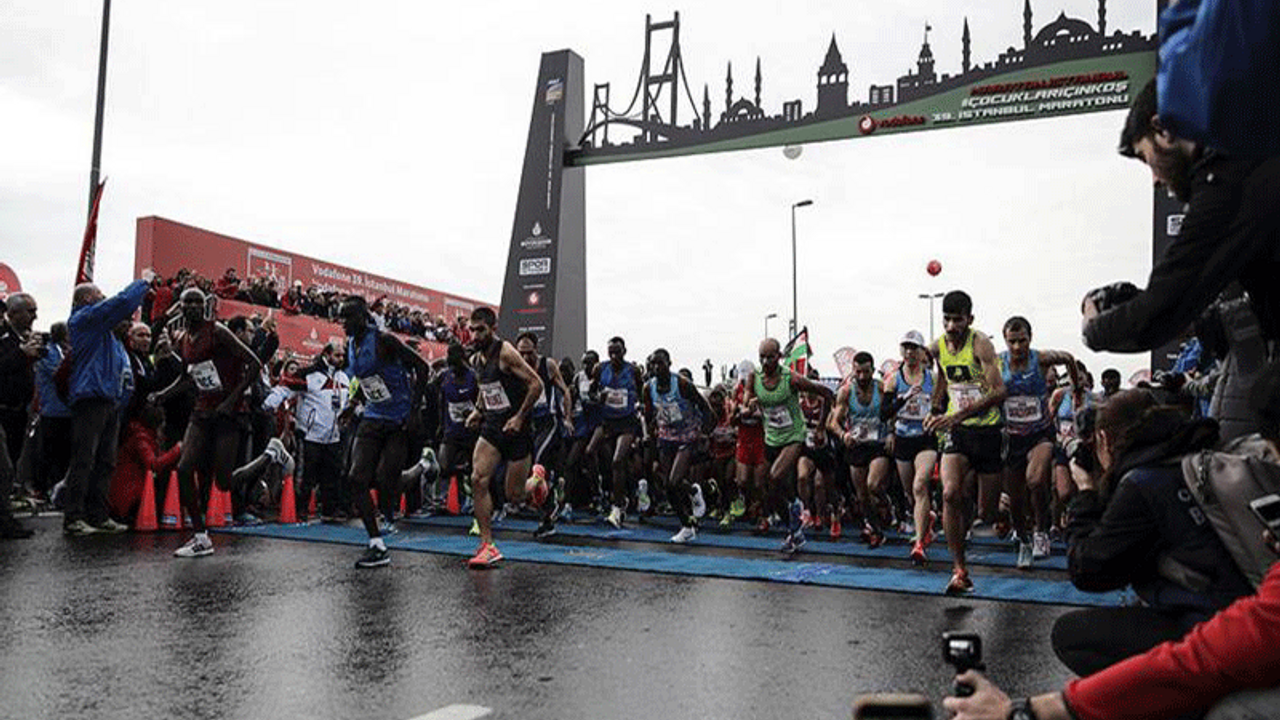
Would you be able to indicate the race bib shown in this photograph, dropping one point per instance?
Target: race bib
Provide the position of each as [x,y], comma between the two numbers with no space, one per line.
[495,398]
[1023,409]
[375,389]
[965,396]
[615,398]
[669,414]
[777,417]
[459,411]
[865,431]
[205,376]
[916,408]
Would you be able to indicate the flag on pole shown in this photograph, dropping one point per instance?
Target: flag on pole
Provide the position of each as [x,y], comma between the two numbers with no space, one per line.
[84,270]
[844,361]
[797,353]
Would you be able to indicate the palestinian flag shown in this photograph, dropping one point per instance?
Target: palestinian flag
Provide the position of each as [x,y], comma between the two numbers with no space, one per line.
[797,353]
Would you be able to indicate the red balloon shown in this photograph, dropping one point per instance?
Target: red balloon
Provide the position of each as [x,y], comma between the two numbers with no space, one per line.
[934,267]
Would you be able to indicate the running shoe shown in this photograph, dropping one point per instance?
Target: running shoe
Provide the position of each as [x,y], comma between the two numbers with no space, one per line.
[373,558]
[699,504]
[194,548]
[1040,548]
[793,543]
[876,539]
[247,519]
[836,529]
[687,534]
[546,529]
[616,516]
[642,496]
[111,527]
[866,532]
[486,556]
[79,528]
[1024,555]
[919,556]
[960,583]
[726,520]
[737,508]
[797,516]
[475,527]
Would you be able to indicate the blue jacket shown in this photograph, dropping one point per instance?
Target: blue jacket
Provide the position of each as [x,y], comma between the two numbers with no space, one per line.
[50,404]
[98,360]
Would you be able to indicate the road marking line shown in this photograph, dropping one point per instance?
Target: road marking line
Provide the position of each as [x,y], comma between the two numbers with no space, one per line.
[456,712]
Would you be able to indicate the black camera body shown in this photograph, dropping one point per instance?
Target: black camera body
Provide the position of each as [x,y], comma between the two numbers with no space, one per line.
[1109,296]
[963,651]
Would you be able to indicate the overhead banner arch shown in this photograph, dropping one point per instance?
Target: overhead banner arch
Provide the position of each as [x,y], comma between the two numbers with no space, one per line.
[1066,66]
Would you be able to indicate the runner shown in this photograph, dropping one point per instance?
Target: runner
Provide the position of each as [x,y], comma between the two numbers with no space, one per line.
[617,383]
[1062,407]
[581,477]
[857,421]
[220,367]
[751,472]
[1030,429]
[722,443]
[382,366]
[907,393]
[675,409]
[815,473]
[459,391]
[969,381]
[774,391]
[552,418]
[504,427]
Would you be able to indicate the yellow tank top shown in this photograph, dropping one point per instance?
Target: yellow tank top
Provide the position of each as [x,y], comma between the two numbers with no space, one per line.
[966,382]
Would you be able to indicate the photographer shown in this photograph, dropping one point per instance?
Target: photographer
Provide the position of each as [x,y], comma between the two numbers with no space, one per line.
[1231,232]
[1230,664]
[19,350]
[1135,525]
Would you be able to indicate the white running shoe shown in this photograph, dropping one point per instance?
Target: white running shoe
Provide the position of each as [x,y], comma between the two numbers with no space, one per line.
[642,496]
[194,548]
[686,535]
[699,504]
[615,517]
[1040,548]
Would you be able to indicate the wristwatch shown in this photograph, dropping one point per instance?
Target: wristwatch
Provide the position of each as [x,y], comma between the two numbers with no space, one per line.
[1021,710]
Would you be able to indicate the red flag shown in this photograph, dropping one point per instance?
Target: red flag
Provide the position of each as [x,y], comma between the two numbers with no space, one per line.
[797,353]
[84,270]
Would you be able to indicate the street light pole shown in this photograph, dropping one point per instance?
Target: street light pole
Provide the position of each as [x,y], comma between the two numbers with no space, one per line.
[767,318]
[795,327]
[96,162]
[930,297]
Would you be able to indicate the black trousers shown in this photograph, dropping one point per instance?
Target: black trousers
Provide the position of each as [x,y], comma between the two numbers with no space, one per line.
[95,431]
[323,463]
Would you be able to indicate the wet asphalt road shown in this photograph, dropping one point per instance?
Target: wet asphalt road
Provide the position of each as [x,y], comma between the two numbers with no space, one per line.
[115,627]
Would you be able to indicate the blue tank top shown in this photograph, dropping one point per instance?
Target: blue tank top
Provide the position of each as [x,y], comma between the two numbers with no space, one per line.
[618,392]
[459,400]
[677,418]
[863,421]
[385,384]
[910,420]
[1026,409]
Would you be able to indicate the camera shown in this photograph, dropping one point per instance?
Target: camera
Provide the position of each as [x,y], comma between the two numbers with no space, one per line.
[963,651]
[1109,296]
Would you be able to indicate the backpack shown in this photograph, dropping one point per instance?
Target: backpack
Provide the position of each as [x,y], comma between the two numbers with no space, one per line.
[1223,484]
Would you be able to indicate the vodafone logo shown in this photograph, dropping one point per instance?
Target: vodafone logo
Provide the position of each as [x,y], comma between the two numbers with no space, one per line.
[867,125]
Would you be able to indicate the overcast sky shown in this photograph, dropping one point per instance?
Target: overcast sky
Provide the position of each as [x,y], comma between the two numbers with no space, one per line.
[389,137]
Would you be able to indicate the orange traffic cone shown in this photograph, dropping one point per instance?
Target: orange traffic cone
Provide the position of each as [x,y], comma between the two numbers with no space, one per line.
[213,515]
[171,518]
[404,505]
[451,503]
[145,520]
[228,518]
[288,502]
[311,504]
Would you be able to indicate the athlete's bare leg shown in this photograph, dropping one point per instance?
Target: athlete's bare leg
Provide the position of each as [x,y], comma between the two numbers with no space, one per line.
[954,516]
[484,461]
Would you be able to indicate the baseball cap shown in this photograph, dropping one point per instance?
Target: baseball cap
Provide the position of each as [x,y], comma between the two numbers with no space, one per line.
[913,337]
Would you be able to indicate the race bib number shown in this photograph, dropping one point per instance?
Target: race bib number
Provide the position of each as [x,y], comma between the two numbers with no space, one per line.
[777,417]
[495,398]
[669,414]
[615,398]
[459,411]
[965,396]
[375,389]
[205,376]
[865,431]
[916,408]
[1023,409]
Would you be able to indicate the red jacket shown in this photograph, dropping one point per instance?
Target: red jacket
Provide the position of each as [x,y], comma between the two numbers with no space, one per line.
[1237,649]
[138,454]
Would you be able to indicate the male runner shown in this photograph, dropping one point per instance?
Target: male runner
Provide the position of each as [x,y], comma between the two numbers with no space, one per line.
[815,473]
[966,405]
[774,391]
[1062,407]
[907,394]
[504,378]
[676,409]
[864,433]
[751,472]
[618,383]
[552,419]
[581,478]
[383,367]
[1030,429]
[459,391]
[220,367]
